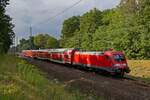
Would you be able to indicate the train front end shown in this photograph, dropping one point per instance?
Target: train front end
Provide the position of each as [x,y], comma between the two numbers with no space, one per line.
[118,62]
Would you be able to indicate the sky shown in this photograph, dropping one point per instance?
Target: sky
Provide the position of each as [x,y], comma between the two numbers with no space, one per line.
[40,14]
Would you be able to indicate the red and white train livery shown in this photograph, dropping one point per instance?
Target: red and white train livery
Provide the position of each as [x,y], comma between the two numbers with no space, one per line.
[110,61]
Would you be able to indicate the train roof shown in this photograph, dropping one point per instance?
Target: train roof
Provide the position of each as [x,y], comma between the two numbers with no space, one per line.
[42,50]
[61,50]
[91,52]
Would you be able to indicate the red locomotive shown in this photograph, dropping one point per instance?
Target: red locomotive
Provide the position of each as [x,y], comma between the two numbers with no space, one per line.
[110,61]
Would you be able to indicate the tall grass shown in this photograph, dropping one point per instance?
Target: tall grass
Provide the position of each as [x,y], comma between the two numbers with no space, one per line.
[22,81]
[140,69]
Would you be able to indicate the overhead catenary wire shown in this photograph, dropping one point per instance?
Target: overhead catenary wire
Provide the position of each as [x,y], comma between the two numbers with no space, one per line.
[53,17]
[58,14]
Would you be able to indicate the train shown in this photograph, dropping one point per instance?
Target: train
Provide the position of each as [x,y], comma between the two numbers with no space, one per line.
[110,61]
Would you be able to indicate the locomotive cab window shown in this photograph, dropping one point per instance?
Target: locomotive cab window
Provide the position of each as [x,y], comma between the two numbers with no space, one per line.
[119,57]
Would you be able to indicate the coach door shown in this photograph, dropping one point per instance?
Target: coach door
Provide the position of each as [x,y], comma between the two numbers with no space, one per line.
[67,57]
[108,61]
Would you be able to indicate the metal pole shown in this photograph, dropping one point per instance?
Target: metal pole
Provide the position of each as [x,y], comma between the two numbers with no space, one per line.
[94,3]
[30,37]
[14,40]
[16,44]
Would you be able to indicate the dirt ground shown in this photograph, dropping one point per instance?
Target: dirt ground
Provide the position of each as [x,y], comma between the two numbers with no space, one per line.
[110,88]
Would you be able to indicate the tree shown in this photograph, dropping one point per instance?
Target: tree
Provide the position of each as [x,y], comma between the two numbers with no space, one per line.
[43,41]
[40,40]
[124,28]
[6,28]
[26,44]
[89,22]
[69,28]
[119,30]
[143,23]
[52,43]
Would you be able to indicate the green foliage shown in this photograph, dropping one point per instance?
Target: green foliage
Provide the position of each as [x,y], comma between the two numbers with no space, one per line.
[22,81]
[125,28]
[45,41]
[51,43]
[143,22]
[89,22]
[81,35]
[6,32]
[72,42]
[70,26]
[40,41]
[26,44]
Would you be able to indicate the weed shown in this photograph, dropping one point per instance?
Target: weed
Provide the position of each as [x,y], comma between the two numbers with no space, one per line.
[22,81]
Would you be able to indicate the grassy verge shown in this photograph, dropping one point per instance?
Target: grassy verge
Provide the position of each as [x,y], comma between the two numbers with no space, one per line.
[140,69]
[22,81]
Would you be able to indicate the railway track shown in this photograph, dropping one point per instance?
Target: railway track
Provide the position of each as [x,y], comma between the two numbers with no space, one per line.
[125,78]
[111,88]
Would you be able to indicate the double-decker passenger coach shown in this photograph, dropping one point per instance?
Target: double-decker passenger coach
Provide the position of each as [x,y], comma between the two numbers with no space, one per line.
[109,61]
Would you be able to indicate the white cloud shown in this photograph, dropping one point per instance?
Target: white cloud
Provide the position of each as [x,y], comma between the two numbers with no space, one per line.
[26,12]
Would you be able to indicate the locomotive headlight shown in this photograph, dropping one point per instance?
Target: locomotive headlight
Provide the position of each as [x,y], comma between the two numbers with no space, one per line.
[117,65]
[124,64]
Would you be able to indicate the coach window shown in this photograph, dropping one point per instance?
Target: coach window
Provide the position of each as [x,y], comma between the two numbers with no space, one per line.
[66,56]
